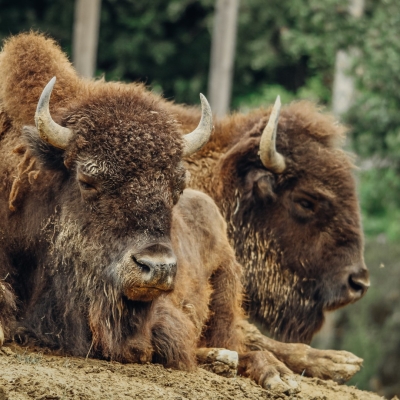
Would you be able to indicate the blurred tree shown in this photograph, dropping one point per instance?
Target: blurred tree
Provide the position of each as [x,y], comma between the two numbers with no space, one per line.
[86,36]
[222,55]
[343,84]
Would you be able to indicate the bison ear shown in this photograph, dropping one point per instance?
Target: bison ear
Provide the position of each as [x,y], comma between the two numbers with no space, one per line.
[263,187]
[49,156]
[259,184]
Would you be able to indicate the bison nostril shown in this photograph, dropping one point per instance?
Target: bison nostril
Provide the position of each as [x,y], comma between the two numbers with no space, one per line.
[359,283]
[354,285]
[145,268]
[142,265]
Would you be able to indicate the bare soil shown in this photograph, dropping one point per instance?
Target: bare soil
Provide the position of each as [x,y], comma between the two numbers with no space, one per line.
[26,374]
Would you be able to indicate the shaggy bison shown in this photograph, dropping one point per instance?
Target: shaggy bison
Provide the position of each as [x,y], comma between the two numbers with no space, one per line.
[286,191]
[95,258]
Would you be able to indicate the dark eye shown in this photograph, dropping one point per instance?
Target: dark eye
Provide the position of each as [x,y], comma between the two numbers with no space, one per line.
[308,205]
[86,186]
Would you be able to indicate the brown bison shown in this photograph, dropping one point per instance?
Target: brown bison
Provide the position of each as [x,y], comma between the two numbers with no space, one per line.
[288,196]
[94,259]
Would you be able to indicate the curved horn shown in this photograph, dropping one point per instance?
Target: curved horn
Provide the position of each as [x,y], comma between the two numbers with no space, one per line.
[195,140]
[271,159]
[49,131]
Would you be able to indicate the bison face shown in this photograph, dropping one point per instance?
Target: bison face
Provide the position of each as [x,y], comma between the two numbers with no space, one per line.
[297,230]
[143,262]
[117,159]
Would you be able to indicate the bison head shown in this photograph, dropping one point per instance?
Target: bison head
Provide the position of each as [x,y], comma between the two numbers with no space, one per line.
[115,162]
[288,194]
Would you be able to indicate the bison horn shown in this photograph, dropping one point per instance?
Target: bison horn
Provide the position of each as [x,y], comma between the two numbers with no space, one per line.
[271,159]
[49,131]
[195,140]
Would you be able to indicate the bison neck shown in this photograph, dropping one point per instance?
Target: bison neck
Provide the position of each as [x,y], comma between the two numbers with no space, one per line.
[284,304]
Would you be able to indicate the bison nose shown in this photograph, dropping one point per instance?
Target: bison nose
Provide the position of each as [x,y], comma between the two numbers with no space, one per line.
[359,283]
[157,264]
[151,266]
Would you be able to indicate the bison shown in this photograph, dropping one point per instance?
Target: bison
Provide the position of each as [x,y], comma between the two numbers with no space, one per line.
[100,253]
[94,258]
[285,188]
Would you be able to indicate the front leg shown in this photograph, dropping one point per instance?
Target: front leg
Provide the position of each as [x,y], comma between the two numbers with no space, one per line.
[339,366]
[225,306]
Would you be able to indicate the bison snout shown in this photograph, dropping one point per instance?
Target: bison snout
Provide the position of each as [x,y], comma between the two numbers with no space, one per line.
[157,270]
[152,272]
[350,287]
[359,283]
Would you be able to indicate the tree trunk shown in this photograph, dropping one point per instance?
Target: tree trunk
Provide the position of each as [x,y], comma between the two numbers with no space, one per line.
[85,36]
[222,55]
[343,85]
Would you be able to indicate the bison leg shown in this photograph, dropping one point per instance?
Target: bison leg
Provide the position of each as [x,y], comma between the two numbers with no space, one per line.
[339,366]
[270,373]
[173,336]
[225,308]
[220,361]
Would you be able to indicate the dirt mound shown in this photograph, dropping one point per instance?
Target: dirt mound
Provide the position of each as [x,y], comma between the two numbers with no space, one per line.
[32,375]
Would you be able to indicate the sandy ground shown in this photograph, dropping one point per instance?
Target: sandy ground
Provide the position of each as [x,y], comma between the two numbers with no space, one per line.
[32,375]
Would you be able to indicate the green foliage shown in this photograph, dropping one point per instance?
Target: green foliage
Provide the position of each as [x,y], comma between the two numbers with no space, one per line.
[165,44]
[379,193]
[313,90]
[375,117]
[287,43]
[52,17]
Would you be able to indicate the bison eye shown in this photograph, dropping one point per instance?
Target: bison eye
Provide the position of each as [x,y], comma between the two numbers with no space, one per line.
[304,207]
[308,205]
[86,186]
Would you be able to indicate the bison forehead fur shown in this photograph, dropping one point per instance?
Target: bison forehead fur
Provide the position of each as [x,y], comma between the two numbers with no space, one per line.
[130,151]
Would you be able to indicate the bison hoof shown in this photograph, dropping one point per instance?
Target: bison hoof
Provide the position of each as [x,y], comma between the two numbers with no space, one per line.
[276,383]
[220,361]
[339,366]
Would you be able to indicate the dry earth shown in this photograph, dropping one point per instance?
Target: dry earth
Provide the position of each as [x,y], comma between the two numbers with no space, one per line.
[31,375]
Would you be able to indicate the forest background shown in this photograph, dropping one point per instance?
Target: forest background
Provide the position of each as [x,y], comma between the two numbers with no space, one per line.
[287,48]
